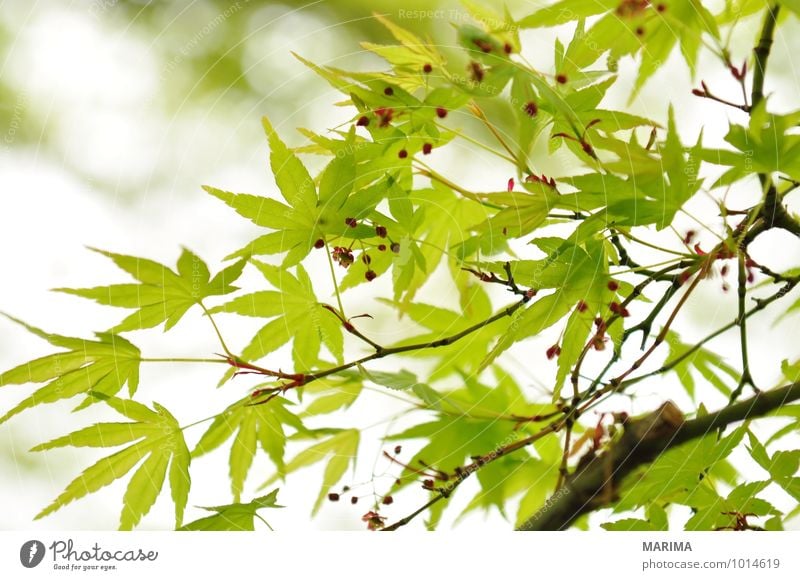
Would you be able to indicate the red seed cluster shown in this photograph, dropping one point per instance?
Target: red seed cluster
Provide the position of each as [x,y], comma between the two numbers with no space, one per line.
[477,72]
[384,115]
[374,520]
[618,308]
[484,45]
[342,256]
[541,179]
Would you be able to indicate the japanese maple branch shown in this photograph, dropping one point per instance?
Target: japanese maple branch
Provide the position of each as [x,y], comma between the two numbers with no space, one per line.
[445,491]
[301,379]
[761,304]
[761,53]
[741,321]
[642,442]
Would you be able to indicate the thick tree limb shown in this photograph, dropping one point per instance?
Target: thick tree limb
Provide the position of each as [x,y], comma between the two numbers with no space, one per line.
[593,483]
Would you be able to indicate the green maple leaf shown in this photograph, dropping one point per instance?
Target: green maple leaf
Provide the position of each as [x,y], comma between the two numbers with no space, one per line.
[158,446]
[342,447]
[629,29]
[253,425]
[102,365]
[234,517]
[297,316]
[464,354]
[162,295]
[767,144]
[295,224]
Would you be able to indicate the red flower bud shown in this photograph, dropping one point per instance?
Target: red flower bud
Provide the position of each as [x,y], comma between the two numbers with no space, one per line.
[320,243]
[441,112]
[402,154]
[388,91]
[380,231]
[427,68]
[561,78]
[427,148]
[613,285]
[531,109]
[370,275]
[363,121]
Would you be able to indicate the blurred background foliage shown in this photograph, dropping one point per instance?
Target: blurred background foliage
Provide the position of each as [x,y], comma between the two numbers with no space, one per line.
[90,82]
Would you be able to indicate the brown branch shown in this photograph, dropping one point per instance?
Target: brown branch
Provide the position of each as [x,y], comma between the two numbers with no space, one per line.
[761,53]
[444,491]
[643,440]
[301,379]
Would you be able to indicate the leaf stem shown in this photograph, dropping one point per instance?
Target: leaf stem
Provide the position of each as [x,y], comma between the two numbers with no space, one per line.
[184,360]
[216,329]
[333,277]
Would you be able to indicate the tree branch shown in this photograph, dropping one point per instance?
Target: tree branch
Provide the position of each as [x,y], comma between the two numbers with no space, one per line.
[761,53]
[645,439]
